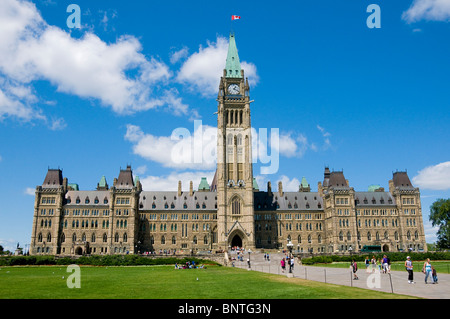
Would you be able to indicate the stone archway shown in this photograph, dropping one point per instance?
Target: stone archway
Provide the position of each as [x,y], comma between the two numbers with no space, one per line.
[236,241]
[79,251]
[386,247]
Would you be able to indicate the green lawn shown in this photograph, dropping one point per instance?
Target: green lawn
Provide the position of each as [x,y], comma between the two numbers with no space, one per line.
[165,282]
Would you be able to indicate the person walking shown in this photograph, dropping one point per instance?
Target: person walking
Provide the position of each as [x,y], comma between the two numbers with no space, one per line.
[409,269]
[367,263]
[354,266]
[283,265]
[434,273]
[427,270]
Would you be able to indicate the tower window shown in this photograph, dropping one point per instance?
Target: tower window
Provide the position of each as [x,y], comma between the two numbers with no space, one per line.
[236,207]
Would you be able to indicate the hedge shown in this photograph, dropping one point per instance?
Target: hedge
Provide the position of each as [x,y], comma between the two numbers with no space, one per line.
[106,260]
[396,256]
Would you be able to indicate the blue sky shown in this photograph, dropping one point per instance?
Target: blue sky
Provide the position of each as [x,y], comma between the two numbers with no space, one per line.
[366,100]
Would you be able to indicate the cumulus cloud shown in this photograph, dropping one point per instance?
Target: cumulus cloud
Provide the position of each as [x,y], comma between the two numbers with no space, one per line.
[436,177]
[432,10]
[30,191]
[170,182]
[117,74]
[181,150]
[202,70]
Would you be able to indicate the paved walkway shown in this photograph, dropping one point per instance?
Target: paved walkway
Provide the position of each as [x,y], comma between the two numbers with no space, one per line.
[343,276]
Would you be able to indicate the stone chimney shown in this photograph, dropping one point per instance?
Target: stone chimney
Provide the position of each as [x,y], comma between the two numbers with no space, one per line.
[191,188]
[280,188]
[179,188]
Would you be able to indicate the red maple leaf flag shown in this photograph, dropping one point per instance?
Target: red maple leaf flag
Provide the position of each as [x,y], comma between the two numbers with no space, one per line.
[233,17]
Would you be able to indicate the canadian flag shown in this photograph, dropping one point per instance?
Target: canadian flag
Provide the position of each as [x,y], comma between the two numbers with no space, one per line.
[233,17]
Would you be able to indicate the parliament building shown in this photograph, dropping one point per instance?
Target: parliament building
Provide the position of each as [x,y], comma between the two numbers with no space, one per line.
[228,211]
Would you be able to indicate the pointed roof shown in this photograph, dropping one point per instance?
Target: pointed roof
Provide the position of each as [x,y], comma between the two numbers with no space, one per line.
[255,184]
[102,182]
[203,185]
[233,66]
[54,178]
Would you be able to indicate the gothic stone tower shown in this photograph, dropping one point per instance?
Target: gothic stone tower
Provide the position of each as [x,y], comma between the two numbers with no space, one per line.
[235,212]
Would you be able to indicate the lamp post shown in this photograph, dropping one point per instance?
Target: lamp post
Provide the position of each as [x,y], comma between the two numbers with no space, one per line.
[249,252]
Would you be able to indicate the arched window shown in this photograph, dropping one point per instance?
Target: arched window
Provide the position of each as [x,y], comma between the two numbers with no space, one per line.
[195,240]
[116,238]
[125,237]
[63,238]
[299,239]
[83,237]
[309,239]
[49,238]
[163,240]
[205,240]
[174,240]
[229,139]
[239,139]
[93,238]
[349,236]
[105,238]
[40,238]
[341,236]
[369,236]
[236,206]
[74,237]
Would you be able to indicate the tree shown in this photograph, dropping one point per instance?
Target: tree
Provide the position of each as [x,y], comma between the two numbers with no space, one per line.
[440,216]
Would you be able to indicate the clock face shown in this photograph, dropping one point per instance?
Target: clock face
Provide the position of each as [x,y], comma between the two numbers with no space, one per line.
[233,89]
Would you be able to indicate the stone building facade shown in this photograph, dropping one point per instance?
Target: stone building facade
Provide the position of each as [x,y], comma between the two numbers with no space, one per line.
[230,211]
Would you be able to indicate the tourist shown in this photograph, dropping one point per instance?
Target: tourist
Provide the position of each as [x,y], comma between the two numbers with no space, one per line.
[409,269]
[367,263]
[354,266]
[384,263]
[433,272]
[283,265]
[427,270]
[374,263]
[292,263]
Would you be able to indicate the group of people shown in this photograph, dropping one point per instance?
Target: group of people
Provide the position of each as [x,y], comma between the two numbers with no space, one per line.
[428,269]
[382,264]
[189,265]
[287,261]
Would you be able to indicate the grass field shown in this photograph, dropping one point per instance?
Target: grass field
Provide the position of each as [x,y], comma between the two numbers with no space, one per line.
[165,282]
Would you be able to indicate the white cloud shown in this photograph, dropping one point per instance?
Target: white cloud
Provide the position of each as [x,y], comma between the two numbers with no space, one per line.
[203,69]
[181,150]
[117,74]
[178,55]
[170,182]
[289,185]
[436,177]
[434,10]
[292,144]
[58,124]
[30,191]
[326,137]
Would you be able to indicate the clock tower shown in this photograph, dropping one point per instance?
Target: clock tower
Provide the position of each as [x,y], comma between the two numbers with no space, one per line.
[235,214]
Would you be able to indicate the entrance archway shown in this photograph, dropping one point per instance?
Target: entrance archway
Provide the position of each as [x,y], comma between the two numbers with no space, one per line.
[236,241]
[386,247]
[79,251]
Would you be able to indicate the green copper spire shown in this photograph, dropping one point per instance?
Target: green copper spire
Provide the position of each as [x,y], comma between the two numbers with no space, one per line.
[203,185]
[233,66]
